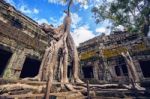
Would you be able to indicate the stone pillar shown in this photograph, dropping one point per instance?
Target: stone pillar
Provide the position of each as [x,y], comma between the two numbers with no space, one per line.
[19,63]
[15,65]
[100,71]
[95,70]
[106,70]
[112,71]
[8,72]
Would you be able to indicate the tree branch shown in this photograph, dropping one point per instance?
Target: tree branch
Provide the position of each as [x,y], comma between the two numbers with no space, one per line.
[70,2]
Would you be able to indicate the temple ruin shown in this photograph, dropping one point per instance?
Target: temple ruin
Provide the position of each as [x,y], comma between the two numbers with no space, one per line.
[101,56]
[22,44]
[104,63]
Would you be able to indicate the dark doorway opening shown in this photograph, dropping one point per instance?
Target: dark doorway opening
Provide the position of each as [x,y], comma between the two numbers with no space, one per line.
[124,69]
[117,69]
[88,72]
[69,72]
[30,68]
[145,66]
[121,68]
[4,58]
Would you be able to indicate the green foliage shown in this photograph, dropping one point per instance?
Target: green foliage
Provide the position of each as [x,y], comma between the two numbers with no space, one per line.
[132,14]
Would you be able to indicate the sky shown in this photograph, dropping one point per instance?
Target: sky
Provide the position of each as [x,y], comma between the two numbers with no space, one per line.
[51,12]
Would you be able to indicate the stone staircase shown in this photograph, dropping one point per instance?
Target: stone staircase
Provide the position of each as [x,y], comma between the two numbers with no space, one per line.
[67,95]
[122,94]
[60,95]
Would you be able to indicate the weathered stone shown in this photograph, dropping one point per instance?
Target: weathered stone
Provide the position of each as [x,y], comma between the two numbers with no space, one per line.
[104,52]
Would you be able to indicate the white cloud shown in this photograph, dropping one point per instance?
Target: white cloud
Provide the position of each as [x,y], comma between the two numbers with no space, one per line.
[36,11]
[90,3]
[25,9]
[74,17]
[61,2]
[104,28]
[75,20]
[42,20]
[53,19]
[101,30]
[82,34]
[56,22]
[83,4]
[11,2]
[120,28]
[110,0]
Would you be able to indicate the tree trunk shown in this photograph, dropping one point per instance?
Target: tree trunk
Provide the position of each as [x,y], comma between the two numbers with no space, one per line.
[74,58]
[61,39]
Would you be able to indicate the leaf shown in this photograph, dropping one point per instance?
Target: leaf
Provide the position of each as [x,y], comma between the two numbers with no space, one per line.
[133,14]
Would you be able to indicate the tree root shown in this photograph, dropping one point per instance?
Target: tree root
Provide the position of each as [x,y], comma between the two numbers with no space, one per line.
[23,88]
[36,78]
[78,81]
[70,87]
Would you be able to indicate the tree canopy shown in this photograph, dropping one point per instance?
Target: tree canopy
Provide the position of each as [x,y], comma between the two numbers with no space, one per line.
[134,15]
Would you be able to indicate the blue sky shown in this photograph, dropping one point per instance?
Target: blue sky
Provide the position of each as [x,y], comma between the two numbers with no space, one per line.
[48,11]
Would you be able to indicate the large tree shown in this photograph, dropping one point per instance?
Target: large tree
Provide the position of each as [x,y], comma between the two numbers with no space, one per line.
[61,48]
[134,15]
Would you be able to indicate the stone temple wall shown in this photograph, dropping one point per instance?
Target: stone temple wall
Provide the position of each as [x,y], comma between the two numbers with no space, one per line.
[21,37]
[103,55]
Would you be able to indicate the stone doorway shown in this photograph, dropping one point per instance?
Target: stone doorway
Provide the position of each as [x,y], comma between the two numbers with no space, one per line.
[88,71]
[121,70]
[30,68]
[145,67]
[4,58]
[117,70]
[121,67]
[70,71]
